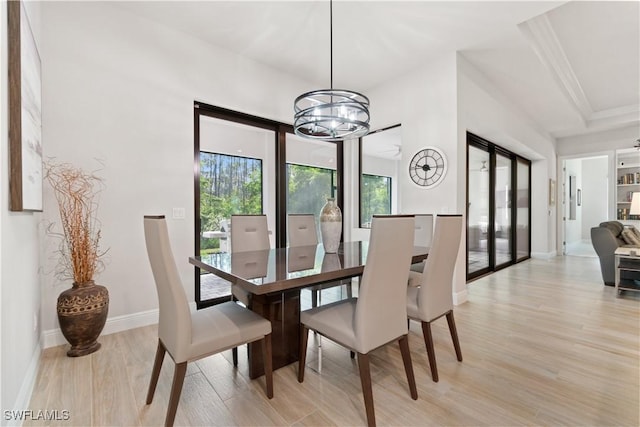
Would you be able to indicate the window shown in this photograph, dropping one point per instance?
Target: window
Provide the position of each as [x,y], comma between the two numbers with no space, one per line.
[234,169]
[241,165]
[380,163]
[375,197]
[228,185]
[309,188]
[311,176]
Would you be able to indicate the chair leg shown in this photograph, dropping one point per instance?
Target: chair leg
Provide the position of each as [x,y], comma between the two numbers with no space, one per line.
[155,372]
[234,354]
[268,364]
[314,298]
[428,342]
[234,350]
[349,290]
[454,335]
[302,359]
[176,389]
[365,379]
[352,354]
[408,366]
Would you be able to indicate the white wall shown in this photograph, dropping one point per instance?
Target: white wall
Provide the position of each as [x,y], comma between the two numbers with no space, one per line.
[484,111]
[595,189]
[121,89]
[350,222]
[585,145]
[19,264]
[604,143]
[424,102]
[4,120]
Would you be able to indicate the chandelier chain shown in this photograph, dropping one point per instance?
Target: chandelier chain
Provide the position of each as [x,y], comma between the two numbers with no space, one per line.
[331,40]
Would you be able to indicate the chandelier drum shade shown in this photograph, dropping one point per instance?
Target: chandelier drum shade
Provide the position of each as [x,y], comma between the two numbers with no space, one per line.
[331,114]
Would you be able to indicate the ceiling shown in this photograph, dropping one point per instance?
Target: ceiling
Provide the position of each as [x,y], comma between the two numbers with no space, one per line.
[573,68]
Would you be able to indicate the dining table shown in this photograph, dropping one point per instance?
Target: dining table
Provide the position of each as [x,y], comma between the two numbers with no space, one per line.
[274,278]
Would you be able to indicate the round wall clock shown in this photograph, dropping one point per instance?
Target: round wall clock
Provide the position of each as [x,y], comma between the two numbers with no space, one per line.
[428,167]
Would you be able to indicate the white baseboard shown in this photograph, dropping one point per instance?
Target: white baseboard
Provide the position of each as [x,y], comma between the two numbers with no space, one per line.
[26,389]
[54,337]
[460,297]
[544,255]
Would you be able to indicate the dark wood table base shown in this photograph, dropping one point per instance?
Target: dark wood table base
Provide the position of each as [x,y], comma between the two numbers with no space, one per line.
[277,297]
[283,310]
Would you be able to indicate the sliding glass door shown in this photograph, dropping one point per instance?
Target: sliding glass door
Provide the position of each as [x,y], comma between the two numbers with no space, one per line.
[311,175]
[523,211]
[478,211]
[246,164]
[503,210]
[498,214]
[236,176]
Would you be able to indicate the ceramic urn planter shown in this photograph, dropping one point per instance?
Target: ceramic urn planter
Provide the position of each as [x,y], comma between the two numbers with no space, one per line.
[331,226]
[82,313]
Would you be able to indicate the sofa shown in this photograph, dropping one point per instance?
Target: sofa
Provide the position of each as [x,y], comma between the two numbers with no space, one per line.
[606,238]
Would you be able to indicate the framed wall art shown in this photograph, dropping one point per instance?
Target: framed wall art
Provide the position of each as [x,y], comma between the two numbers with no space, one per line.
[25,118]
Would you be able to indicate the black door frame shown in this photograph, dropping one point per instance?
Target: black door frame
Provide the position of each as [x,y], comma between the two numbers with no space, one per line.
[280,146]
[493,149]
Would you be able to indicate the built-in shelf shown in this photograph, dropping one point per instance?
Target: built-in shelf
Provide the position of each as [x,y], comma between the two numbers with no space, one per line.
[628,182]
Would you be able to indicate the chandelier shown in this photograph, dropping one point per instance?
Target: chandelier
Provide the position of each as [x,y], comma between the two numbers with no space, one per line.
[331,114]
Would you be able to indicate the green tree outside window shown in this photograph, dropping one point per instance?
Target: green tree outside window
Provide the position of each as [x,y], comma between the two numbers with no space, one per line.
[375,197]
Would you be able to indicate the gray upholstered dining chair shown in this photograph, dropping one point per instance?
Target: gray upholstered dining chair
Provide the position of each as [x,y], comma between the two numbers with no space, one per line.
[423,234]
[248,233]
[359,323]
[301,231]
[430,293]
[190,336]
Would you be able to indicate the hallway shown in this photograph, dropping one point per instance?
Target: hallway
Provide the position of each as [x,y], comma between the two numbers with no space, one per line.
[583,248]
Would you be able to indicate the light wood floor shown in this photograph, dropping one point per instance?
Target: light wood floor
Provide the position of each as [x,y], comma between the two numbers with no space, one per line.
[544,343]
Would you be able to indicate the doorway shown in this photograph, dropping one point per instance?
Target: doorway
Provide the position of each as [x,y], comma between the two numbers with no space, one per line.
[586,191]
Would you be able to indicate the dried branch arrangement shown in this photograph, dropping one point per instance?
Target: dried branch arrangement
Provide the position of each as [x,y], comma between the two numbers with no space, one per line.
[77,193]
